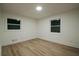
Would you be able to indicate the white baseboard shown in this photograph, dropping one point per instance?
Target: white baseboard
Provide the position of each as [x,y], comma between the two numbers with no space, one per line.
[18,41]
[0,50]
[71,44]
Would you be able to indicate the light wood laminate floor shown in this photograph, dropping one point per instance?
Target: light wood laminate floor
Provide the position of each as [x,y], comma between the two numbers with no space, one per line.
[39,47]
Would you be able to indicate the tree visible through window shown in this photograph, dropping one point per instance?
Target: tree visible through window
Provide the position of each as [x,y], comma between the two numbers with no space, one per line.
[13,24]
[55,25]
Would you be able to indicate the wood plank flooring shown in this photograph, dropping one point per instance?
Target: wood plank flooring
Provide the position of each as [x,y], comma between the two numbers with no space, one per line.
[39,47]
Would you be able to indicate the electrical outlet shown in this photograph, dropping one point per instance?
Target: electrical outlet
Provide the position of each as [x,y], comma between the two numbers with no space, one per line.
[14,40]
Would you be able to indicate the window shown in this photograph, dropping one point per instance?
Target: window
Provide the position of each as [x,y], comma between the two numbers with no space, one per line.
[13,24]
[55,25]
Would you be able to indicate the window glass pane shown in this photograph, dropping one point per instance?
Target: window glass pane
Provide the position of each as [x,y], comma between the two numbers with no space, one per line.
[55,25]
[13,24]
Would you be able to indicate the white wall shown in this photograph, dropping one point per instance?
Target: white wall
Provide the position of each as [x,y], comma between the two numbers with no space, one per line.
[0,50]
[27,31]
[69,29]
[0,34]
[0,30]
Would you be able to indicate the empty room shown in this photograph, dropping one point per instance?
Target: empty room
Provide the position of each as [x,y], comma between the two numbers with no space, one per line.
[39,29]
